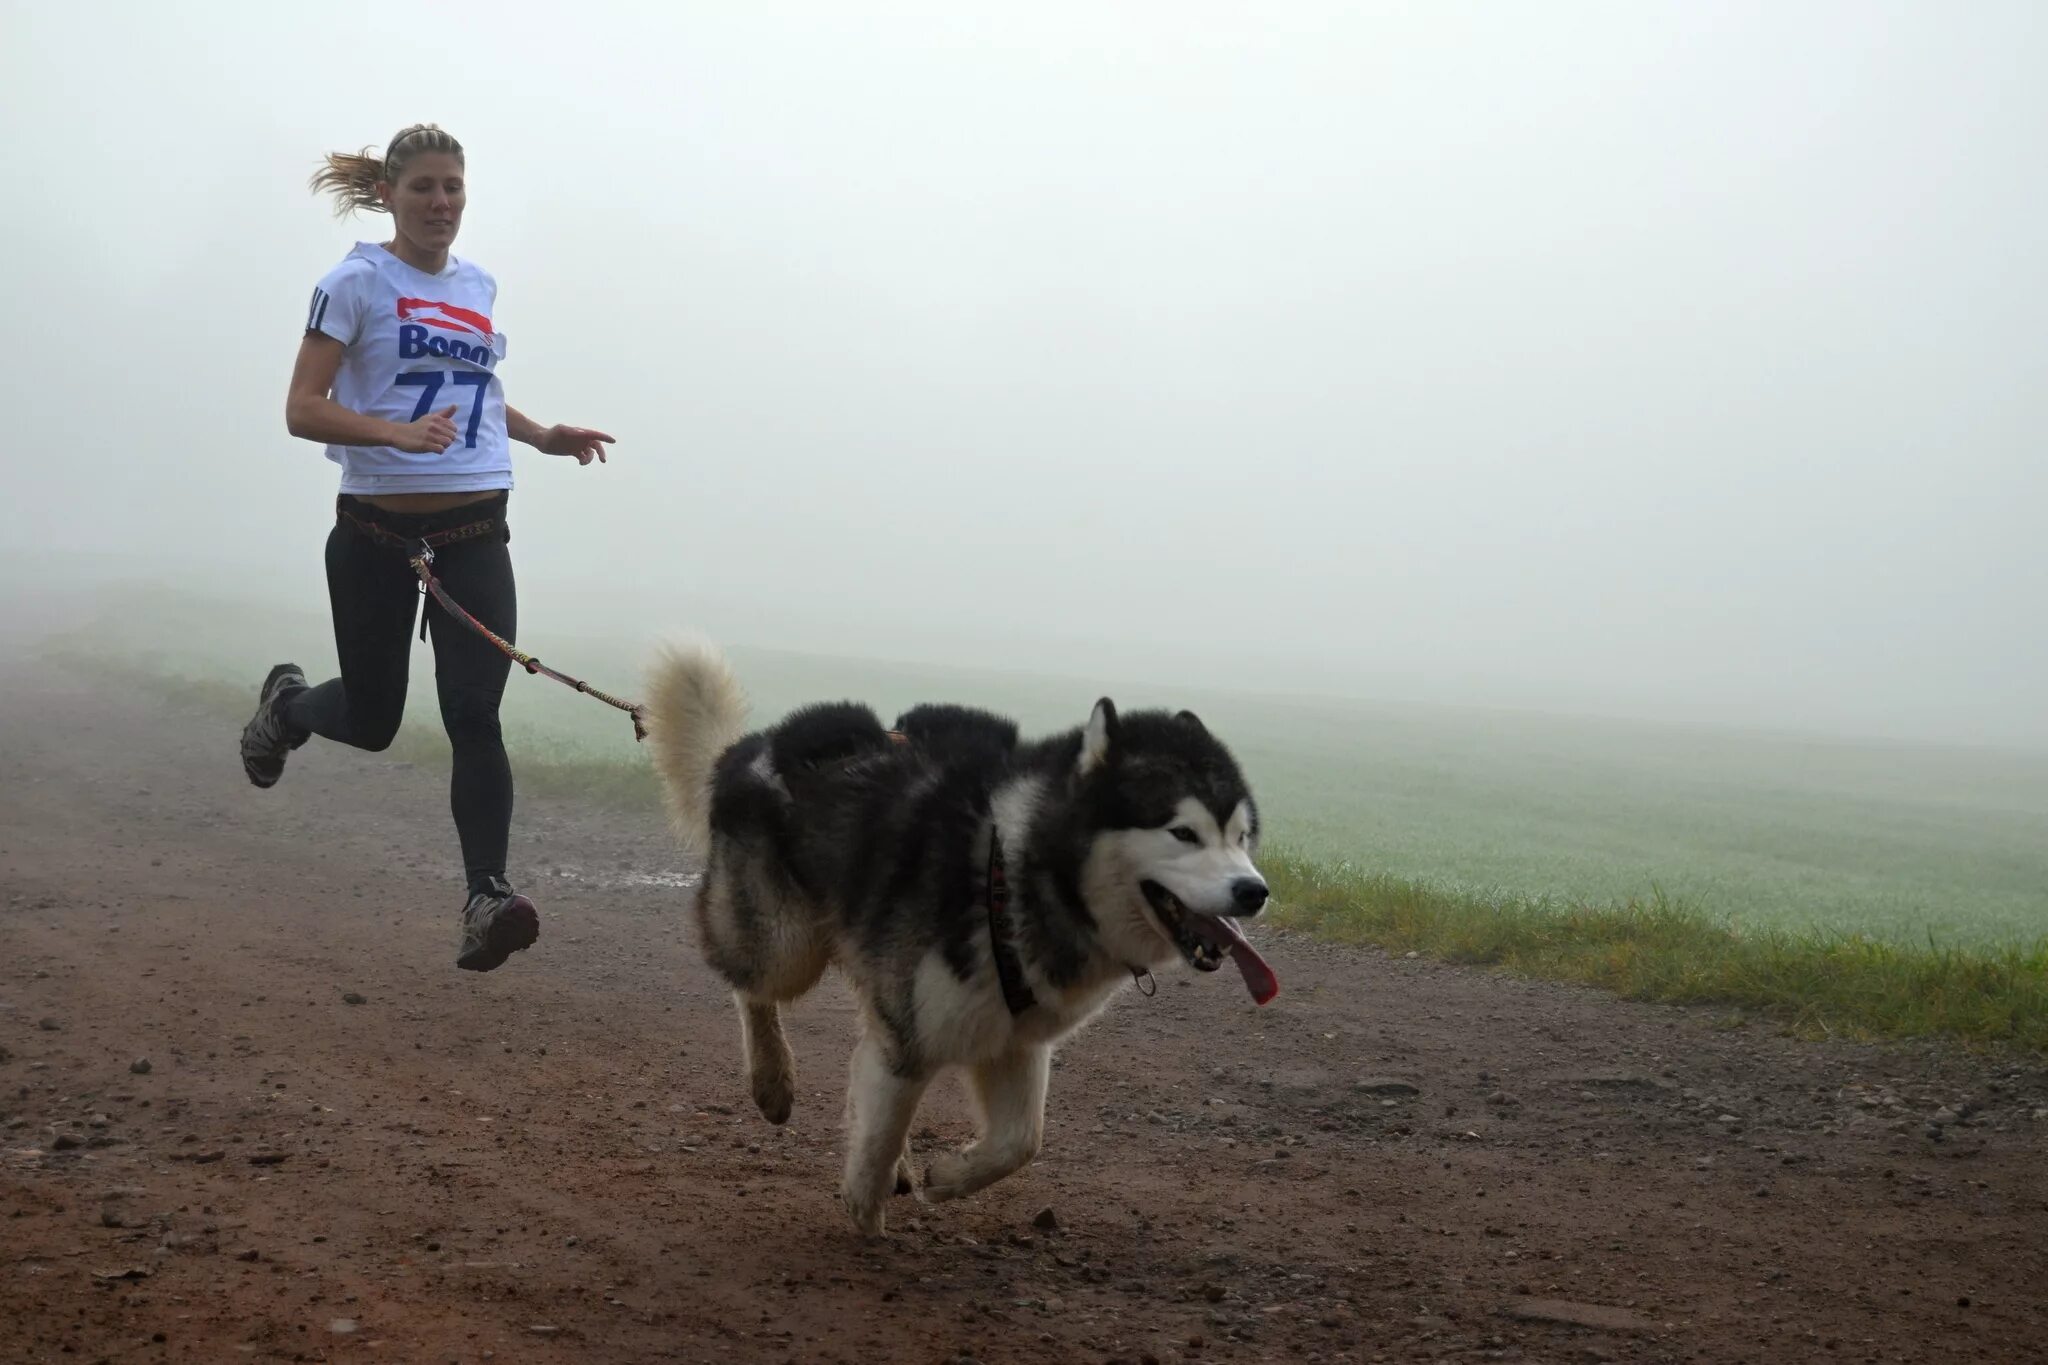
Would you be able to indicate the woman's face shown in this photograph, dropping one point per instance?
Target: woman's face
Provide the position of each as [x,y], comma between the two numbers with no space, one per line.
[426,201]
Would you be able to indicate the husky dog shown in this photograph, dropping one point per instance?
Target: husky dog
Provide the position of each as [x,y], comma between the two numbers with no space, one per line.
[983,896]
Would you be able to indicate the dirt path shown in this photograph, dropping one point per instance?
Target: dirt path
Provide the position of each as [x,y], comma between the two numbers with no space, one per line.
[557,1161]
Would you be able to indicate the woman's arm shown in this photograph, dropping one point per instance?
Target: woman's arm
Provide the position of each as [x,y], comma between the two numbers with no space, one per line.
[580,442]
[310,414]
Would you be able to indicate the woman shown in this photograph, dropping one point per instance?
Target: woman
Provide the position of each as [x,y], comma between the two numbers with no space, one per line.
[397,376]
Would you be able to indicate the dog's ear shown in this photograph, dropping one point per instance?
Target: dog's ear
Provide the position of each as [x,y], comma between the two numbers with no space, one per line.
[1190,718]
[1099,738]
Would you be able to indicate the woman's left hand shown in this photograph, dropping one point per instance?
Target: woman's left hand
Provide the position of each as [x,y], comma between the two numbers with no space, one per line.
[580,442]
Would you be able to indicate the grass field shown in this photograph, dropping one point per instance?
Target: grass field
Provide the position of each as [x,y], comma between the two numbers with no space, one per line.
[1891,888]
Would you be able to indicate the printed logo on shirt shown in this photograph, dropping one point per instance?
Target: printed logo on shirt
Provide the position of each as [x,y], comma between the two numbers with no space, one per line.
[446,316]
[420,319]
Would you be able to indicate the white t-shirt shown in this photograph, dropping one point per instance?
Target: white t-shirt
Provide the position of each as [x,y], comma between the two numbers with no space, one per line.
[416,343]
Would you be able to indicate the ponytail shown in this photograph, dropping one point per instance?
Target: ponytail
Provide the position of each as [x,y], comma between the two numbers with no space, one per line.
[351,178]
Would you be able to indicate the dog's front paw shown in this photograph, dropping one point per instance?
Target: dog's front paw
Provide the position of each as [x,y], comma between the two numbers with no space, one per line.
[865,1210]
[775,1096]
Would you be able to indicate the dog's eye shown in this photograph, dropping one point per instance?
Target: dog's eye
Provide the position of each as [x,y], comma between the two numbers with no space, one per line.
[1185,835]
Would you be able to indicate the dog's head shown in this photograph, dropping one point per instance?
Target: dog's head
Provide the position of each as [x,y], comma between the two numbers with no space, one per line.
[1172,831]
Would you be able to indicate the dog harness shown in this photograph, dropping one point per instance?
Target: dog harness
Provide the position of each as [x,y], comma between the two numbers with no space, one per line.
[1017,992]
[1009,967]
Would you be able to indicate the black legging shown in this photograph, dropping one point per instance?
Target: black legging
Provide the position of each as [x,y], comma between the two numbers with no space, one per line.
[374,593]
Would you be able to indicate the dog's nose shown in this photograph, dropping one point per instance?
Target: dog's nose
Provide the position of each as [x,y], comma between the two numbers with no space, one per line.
[1250,895]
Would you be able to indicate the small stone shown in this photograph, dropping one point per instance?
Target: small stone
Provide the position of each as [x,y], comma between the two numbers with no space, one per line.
[269,1158]
[65,1142]
[250,1255]
[48,1025]
[1046,1221]
[1945,1116]
[573,1241]
[541,1329]
[353,998]
[140,1066]
[342,1327]
[1385,1086]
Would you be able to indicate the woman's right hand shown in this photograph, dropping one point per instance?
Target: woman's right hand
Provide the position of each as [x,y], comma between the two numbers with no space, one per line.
[430,435]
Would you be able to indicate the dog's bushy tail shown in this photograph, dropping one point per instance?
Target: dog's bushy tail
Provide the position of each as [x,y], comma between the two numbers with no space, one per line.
[695,712]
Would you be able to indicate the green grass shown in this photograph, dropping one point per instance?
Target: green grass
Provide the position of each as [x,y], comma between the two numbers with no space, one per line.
[1868,889]
[1768,830]
[1816,982]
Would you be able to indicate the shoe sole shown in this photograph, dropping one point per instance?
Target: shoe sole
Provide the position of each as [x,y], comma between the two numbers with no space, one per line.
[261,776]
[516,928]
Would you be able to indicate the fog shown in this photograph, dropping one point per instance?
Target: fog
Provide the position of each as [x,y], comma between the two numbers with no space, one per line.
[1662,360]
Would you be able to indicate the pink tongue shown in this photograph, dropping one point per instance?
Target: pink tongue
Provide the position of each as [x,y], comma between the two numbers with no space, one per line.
[1258,977]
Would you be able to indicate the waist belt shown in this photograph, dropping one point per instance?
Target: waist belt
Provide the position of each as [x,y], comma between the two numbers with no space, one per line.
[432,540]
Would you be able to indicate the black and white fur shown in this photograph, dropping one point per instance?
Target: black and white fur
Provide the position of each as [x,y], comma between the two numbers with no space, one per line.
[831,841]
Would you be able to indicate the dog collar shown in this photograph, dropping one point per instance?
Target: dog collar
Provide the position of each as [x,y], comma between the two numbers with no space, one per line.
[1009,967]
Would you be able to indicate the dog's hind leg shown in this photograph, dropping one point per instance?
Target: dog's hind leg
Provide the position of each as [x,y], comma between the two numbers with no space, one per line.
[879,1104]
[762,942]
[771,1066]
[1011,1093]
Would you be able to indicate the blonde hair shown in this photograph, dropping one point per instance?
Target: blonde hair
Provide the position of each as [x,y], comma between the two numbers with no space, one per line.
[351,178]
